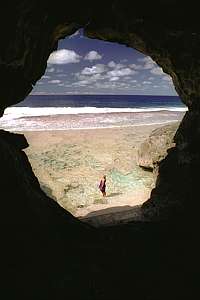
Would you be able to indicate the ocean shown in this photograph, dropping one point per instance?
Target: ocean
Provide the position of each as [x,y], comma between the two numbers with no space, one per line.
[70,112]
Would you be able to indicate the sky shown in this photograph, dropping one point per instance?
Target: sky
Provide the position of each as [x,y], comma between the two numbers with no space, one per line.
[90,66]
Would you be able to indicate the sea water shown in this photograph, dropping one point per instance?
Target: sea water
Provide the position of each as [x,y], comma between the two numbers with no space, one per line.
[64,112]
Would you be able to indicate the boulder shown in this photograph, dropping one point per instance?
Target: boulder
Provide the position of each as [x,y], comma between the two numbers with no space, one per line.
[154,148]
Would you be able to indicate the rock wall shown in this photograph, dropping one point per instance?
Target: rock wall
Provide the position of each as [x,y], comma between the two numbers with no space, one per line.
[154,149]
[176,194]
[47,254]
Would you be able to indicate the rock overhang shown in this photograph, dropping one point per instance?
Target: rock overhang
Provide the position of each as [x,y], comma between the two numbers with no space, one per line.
[167,31]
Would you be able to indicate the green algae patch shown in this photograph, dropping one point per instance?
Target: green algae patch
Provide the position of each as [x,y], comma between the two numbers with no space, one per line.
[135,179]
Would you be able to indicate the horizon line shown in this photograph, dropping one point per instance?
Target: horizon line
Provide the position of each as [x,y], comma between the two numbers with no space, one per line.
[50,94]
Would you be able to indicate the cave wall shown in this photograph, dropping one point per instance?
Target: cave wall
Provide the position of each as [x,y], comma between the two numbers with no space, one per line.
[47,253]
[167,31]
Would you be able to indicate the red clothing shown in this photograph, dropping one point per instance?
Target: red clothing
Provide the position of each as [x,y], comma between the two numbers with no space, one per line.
[102,185]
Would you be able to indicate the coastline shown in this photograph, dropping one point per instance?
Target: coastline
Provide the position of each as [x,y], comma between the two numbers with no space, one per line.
[89,121]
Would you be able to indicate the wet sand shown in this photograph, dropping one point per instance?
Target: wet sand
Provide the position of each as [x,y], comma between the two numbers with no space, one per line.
[70,163]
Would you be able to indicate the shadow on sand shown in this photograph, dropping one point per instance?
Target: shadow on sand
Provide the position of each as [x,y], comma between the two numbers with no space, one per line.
[114,215]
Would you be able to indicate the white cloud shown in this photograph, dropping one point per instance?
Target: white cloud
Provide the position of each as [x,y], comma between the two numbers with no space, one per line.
[121,72]
[114,78]
[99,68]
[157,71]
[64,56]
[58,71]
[54,81]
[92,55]
[97,77]
[111,64]
[99,72]
[114,65]
[112,85]
[146,82]
[136,67]
[81,83]
[38,93]
[61,75]
[138,85]
[167,78]
[50,70]
[85,79]
[45,77]
[80,76]
[147,64]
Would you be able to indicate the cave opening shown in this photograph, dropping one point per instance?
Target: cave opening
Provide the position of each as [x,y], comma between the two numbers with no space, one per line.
[92,113]
[49,254]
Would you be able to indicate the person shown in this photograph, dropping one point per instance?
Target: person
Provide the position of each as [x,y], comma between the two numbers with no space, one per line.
[102,186]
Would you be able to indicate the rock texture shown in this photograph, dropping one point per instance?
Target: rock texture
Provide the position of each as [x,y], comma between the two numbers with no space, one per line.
[34,229]
[154,148]
[176,194]
[46,252]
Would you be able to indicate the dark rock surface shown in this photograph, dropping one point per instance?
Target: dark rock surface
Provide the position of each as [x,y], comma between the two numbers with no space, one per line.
[154,149]
[46,252]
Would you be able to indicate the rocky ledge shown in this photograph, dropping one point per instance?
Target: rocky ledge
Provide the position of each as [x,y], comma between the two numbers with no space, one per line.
[154,148]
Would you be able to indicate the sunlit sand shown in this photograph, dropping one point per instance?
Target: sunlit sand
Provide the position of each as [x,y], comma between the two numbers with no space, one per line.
[70,163]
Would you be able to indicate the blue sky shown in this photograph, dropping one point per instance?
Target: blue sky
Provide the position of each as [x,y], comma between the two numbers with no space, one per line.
[89,66]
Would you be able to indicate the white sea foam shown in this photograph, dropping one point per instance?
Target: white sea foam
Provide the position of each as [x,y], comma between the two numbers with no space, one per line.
[18,118]
[19,112]
[47,128]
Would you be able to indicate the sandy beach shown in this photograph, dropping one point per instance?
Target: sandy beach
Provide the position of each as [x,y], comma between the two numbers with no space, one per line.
[70,163]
